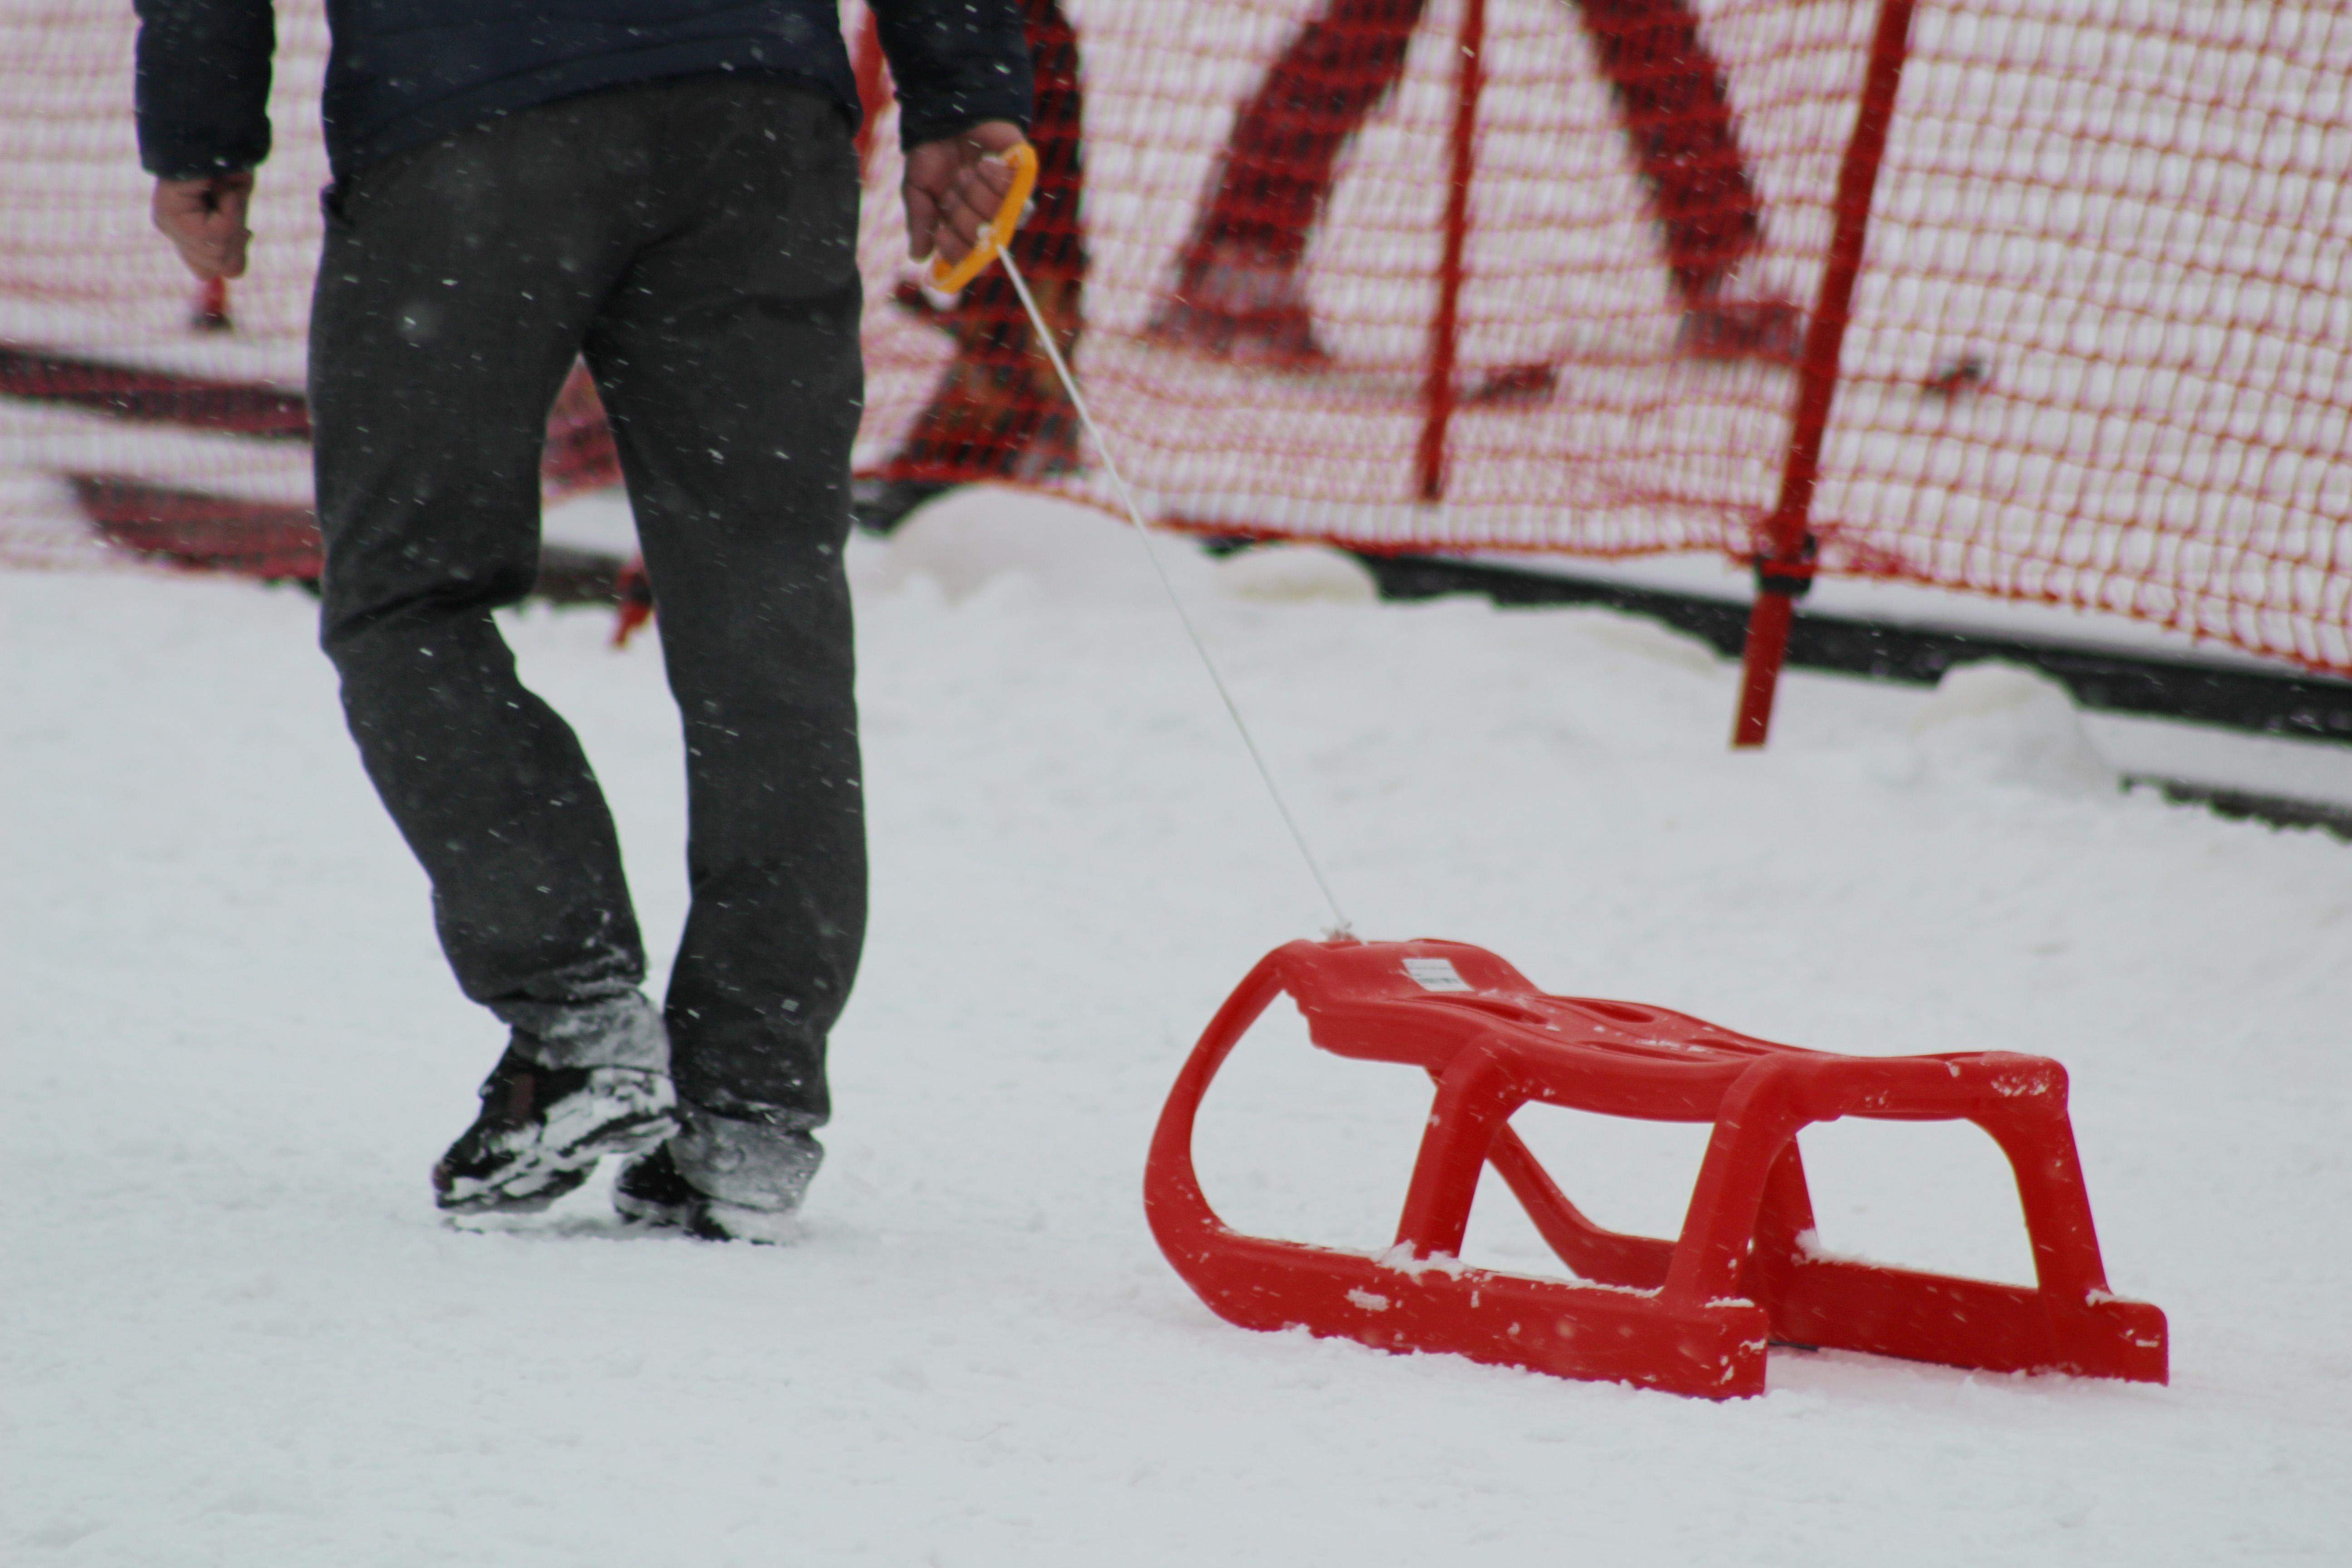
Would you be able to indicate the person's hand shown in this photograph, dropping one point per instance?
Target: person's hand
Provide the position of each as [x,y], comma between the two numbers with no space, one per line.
[954,186]
[205,219]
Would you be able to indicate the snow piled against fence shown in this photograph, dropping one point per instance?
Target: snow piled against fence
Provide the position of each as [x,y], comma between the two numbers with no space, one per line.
[236,1331]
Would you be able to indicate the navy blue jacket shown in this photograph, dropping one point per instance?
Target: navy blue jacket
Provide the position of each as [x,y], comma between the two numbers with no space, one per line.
[404,72]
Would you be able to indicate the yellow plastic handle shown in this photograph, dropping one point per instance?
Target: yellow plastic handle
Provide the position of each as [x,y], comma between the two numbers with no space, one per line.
[946,280]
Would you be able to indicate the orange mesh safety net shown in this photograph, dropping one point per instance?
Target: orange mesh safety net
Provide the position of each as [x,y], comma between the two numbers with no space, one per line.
[1417,274]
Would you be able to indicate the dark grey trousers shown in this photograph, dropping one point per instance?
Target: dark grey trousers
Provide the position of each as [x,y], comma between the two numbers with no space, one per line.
[697,240]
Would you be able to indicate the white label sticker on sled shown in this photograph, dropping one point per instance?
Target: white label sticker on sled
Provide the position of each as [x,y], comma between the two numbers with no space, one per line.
[1435,975]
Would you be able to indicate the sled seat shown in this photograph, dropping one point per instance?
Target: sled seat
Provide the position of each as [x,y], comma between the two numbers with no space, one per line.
[1693,1315]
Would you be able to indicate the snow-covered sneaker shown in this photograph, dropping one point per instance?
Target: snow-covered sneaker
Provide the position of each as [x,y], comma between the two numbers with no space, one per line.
[726,1178]
[651,1190]
[541,1131]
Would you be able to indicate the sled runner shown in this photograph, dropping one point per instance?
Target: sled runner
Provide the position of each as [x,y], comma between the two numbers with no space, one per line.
[1690,1315]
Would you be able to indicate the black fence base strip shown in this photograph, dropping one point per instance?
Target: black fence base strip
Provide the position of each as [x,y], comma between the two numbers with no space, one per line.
[2111,680]
[572,577]
[2252,806]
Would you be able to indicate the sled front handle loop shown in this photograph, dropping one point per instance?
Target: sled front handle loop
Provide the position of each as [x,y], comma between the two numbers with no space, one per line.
[947,278]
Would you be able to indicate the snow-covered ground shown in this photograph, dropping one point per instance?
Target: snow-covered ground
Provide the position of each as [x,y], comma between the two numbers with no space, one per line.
[236,1330]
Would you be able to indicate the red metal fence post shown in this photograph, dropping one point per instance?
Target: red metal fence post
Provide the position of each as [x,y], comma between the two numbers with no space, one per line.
[1784,562]
[1468,82]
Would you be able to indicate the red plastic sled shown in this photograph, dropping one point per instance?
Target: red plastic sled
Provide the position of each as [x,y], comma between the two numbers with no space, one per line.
[1691,1316]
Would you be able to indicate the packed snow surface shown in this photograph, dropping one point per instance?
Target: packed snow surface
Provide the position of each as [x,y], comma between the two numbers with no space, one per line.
[237,1332]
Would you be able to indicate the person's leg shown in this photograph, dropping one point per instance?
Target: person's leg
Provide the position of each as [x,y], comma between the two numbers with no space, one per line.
[453,291]
[998,412]
[1675,106]
[728,357]
[1236,291]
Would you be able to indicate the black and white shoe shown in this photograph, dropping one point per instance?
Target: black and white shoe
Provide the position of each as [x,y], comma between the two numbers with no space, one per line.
[542,1129]
[652,1191]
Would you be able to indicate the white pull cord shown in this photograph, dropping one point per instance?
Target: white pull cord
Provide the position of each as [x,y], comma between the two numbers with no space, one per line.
[1135,515]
